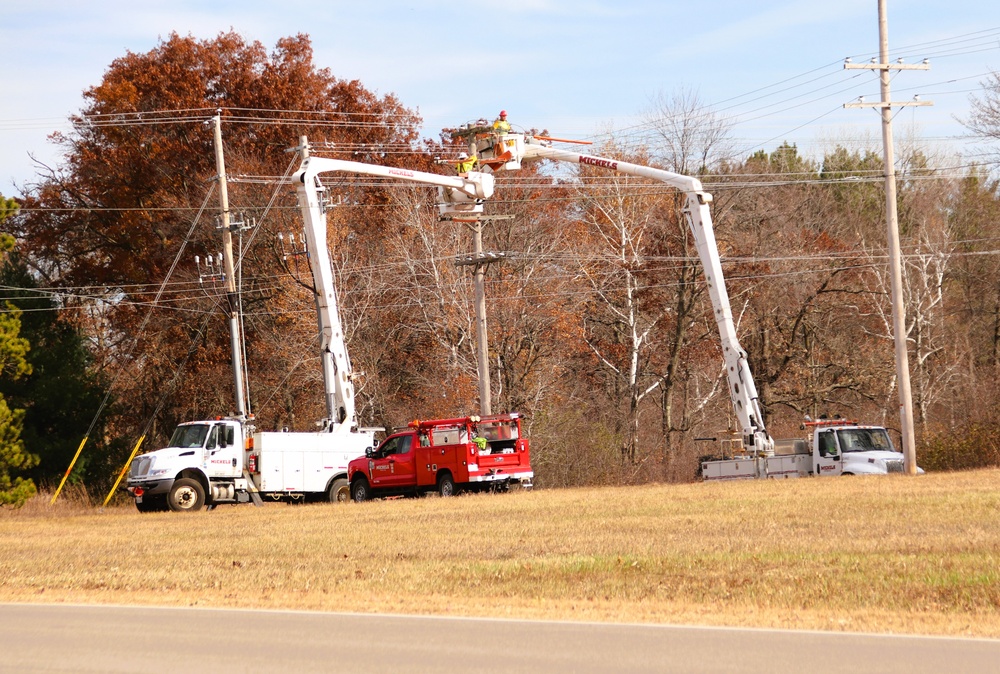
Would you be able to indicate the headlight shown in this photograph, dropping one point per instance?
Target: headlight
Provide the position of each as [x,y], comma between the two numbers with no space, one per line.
[159,472]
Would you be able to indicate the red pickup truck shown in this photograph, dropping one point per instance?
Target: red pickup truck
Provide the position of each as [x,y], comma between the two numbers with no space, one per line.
[446,456]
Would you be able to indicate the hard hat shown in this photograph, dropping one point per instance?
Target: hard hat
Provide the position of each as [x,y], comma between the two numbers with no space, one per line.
[503,113]
[464,155]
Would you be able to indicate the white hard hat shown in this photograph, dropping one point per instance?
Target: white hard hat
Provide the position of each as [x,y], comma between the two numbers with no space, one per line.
[464,155]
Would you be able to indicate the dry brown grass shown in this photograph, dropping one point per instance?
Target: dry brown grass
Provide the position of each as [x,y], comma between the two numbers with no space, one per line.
[892,554]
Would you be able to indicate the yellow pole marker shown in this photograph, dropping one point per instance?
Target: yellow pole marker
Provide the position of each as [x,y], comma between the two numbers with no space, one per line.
[135,450]
[69,470]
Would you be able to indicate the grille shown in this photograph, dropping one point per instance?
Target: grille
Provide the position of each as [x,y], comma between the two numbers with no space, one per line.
[894,466]
[140,466]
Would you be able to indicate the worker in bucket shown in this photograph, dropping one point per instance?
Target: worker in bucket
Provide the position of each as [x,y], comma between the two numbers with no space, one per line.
[500,124]
[466,163]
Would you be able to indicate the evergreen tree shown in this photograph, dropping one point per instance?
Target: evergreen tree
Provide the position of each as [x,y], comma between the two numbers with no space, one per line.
[14,489]
[61,395]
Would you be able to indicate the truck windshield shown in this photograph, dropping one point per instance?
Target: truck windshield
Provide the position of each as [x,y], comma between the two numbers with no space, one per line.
[864,440]
[189,435]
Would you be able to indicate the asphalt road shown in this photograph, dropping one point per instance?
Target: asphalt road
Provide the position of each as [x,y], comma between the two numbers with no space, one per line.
[106,639]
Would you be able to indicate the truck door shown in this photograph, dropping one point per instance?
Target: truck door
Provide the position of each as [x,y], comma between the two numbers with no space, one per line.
[393,464]
[224,451]
[827,456]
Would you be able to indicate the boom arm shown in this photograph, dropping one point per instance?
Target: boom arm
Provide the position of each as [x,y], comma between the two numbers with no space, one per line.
[458,196]
[742,389]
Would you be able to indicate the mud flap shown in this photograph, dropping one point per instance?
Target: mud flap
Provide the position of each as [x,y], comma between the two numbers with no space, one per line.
[252,489]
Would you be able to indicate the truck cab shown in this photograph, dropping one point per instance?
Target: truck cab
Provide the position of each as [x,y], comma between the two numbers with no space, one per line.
[179,476]
[849,449]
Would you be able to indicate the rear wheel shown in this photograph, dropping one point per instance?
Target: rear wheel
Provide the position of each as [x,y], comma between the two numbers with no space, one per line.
[360,491]
[340,491]
[186,495]
[446,486]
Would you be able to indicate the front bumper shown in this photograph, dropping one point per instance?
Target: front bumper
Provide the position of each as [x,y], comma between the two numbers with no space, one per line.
[151,488]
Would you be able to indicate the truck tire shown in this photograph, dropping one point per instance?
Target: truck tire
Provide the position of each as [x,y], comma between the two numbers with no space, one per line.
[446,486]
[340,491]
[186,495]
[360,491]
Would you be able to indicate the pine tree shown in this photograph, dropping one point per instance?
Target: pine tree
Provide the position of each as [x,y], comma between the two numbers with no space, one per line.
[62,394]
[14,489]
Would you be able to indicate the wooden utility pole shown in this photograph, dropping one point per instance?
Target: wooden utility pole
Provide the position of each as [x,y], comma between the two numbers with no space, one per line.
[479,260]
[232,296]
[482,342]
[892,223]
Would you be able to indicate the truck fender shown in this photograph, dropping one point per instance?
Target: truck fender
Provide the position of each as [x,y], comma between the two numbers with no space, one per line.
[338,476]
[196,474]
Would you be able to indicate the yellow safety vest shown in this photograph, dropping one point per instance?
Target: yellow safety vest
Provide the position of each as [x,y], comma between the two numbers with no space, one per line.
[466,165]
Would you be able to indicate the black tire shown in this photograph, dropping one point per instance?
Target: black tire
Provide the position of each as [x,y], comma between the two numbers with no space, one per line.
[360,491]
[151,504]
[340,491]
[446,486]
[186,495]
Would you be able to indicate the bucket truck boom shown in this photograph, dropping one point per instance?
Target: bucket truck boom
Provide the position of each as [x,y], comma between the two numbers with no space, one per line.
[458,195]
[505,151]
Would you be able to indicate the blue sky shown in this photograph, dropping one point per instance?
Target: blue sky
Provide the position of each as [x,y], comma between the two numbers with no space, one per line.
[576,68]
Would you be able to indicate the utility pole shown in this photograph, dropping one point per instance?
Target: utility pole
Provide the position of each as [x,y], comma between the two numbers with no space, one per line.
[892,223]
[232,296]
[479,260]
[482,343]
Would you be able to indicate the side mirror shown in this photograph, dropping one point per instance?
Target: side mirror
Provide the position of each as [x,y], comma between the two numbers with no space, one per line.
[369,453]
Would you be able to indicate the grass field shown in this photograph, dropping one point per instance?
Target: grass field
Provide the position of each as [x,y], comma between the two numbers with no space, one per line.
[885,554]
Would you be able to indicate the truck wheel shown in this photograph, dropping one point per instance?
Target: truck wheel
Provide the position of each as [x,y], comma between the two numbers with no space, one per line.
[446,486]
[340,491]
[186,495]
[360,490]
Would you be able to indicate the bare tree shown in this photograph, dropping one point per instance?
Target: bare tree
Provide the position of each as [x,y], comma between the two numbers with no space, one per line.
[984,119]
[688,137]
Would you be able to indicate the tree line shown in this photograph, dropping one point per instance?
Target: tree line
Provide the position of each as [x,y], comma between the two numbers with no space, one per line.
[600,328]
